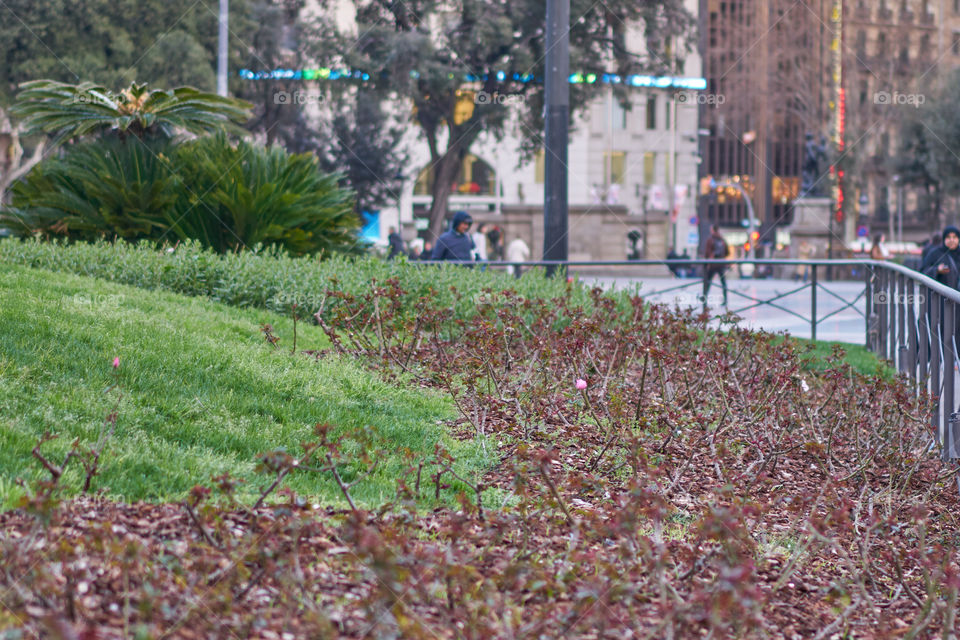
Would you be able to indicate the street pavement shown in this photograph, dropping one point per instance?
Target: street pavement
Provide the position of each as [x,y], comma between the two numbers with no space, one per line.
[793,316]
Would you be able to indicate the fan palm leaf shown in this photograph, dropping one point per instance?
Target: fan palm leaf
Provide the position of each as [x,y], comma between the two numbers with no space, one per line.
[70,111]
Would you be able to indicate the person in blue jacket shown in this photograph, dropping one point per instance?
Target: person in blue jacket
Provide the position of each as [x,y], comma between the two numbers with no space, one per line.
[456,244]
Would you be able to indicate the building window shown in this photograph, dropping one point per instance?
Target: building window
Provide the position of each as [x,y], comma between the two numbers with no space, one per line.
[649,167]
[652,112]
[614,167]
[539,167]
[476,178]
[881,44]
[619,116]
[862,42]
[956,6]
[956,43]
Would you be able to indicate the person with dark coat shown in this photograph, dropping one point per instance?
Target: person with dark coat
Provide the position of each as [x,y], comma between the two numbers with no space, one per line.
[931,245]
[494,237]
[396,244]
[456,244]
[943,263]
[716,249]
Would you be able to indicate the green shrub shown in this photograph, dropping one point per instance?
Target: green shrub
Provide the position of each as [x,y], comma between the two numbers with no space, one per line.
[271,278]
[240,196]
[227,197]
[110,188]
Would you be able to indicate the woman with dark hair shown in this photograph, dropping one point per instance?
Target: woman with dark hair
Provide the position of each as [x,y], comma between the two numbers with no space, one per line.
[878,251]
[943,263]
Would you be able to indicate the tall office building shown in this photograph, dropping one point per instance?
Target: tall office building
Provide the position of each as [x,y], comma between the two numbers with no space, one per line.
[844,71]
[765,63]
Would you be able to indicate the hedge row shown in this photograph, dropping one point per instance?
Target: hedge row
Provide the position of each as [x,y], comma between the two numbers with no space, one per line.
[269,278]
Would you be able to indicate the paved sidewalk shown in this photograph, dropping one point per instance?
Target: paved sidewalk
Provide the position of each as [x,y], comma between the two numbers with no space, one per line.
[844,326]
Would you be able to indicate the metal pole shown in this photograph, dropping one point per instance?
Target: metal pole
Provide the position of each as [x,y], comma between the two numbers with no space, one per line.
[901,308]
[222,48]
[674,214]
[813,302]
[882,301]
[868,295]
[900,215]
[936,351]
[949,404]
[557,106]
[912,338]
[890,218]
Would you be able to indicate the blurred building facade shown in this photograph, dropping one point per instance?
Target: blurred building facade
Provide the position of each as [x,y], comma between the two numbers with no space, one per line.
[632,170]
[787,75]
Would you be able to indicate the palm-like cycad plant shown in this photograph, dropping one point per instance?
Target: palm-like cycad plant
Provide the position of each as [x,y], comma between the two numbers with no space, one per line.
[75,110]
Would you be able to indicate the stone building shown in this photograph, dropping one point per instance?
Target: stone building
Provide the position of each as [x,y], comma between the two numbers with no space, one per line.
[895,53]
[844,71]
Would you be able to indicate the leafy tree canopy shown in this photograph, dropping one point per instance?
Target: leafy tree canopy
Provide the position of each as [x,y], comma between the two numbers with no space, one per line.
[116,42]
[422,49]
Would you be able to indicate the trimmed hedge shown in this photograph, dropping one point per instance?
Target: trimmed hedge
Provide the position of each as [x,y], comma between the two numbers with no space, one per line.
[271,279]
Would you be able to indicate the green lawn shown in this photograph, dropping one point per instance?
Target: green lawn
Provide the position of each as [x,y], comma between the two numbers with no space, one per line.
[203,392]
[856,355]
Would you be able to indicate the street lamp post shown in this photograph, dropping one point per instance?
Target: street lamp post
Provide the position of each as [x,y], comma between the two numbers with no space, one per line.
[557,113]
[222,48]
[862,210]
[898,181]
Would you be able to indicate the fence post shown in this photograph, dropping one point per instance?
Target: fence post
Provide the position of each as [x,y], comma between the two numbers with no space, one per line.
[936,349]
[882,300]
[912,328]
[900,305]
[949,316]
[924,336]
[813,302]
[868,294]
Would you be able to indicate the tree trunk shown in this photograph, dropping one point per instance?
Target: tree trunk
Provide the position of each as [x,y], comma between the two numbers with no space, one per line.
[446,170]
[13,165]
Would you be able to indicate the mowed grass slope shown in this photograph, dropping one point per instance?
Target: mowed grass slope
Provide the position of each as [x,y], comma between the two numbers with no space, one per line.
[203,393]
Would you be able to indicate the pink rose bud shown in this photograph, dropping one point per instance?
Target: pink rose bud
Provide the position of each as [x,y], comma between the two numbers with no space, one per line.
[581,384]
[116,363]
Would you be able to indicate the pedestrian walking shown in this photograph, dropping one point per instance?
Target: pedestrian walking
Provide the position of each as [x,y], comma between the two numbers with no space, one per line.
[480,242]
[396,244]
[716,249]
[495,239]
[878,251]
[943,263]
[456,244]
[932,244]
[805,251]
[517,251]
